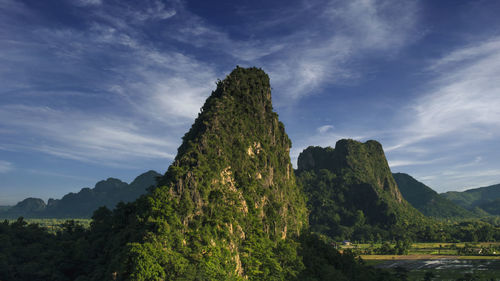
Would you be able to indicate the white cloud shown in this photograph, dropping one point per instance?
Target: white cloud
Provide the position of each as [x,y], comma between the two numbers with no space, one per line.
[349,31]
[455,179]
[140,98]
[325,47]
[456,119]
[375,24]
[153,10]
[5,166]
[401,163]
[76,135]
[463,102]
[84,3]
[324,129]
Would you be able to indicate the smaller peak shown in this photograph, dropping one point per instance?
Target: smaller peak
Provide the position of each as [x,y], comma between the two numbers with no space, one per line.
[348,144]
[30,205]
[146,176]
[315,158]
[149,173]
[108,184]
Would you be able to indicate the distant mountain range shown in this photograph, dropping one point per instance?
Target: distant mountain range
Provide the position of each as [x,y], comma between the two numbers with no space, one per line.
[482,198]
[477,202]
[82,204]
[428,201]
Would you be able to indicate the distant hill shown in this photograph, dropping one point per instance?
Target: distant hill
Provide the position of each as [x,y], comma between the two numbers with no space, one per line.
[428,201]
[351,188]
[4,208]
[482,198]
[82,204]
[491,207]
[29,207]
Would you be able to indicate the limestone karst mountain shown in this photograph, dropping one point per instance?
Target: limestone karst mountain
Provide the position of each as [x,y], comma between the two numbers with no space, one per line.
[351,191]
[227,206]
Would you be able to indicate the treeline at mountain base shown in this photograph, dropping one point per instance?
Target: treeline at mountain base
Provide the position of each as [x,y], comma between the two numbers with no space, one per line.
[29,252]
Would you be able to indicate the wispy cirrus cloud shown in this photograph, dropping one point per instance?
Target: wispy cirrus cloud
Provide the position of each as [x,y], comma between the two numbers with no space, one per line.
[99,94]
[402,163]
[462,101]
[456,119]
[346,32]
[323,45]
[72,135]
[87,2]
[5,166]
[324,129]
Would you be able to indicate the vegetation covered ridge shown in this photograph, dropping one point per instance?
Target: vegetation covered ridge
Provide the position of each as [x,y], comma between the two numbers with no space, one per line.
[483,200]
[428,201]
[352,193]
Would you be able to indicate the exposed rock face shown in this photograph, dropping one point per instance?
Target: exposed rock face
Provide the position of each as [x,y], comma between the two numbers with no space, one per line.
[235,138]
[229,198]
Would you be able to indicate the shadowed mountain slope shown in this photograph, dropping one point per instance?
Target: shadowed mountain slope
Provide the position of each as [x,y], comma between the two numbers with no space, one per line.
[428,201]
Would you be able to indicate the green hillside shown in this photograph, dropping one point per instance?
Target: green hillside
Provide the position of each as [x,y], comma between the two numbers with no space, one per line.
[474,198]
[428,201]
[491,207]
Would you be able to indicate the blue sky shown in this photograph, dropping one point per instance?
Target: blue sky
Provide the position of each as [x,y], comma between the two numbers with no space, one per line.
[93,89]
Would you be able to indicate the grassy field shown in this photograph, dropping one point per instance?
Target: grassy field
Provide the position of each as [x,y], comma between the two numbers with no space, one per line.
[440,259]
[444,269]
[452,249]
[426,257]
